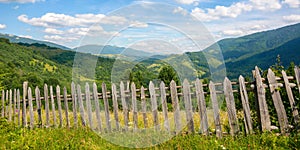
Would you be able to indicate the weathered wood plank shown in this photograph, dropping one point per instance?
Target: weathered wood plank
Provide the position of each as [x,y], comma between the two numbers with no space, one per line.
[24,115]
[53,106]
[176,108]
[46,98]
[31,115]
[74,103]
[291,98]
[215,105]
[154,105]
[282,118]
[59,105]
[66,107]
[134,106]
[188,105]
[262,103]
[96,99]
[6,100]
[15,106]
[81,108]
[88,104]
[3,104]
[144,107]
[106,107]
[246,107]
[230,104]
[115,105]
[297,75]
[19,107]
[124,105]
[39,106]
[10,111]
[164,106]
[202,107]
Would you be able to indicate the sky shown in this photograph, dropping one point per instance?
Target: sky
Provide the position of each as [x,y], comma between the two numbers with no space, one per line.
[139,24]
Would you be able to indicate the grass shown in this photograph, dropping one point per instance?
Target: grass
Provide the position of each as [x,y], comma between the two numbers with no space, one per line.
[12,137]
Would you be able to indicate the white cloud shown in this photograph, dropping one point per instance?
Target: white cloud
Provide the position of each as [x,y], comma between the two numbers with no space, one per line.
[61,20]
[20,1]
[292,18]
[232,32]
[180,10]
[16,7]
[267,5]
[188,2]
[2,26]
[292,3]
[138,24]
[25,36]
[53,31]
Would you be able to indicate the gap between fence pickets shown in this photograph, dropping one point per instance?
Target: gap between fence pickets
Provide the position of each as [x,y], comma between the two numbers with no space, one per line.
[12,97]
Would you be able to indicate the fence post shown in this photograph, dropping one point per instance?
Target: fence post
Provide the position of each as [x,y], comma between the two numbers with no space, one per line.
[66,107]
[215,105]
[53,106]
[164,105]
[96,99]
[154,105]
[39,105]
[201,107]
[10,106]
[115,105]
[81,108]
[262,104]
[88,104]
[230,104]
[15,106]
[19,107]
[246,107]
[3,104]
[106,107]
[144,107]
[282,118]
[291,98]
[124,105]
[188,105]
[59,105]
[176,108]
[134,106]
[74,102]
[297,75]
[24,116]
[46,98]
[30,108]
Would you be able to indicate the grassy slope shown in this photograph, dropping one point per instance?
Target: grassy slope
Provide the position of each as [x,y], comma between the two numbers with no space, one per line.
[12,137]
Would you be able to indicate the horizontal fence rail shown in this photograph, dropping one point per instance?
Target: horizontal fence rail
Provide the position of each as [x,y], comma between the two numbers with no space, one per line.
[174,109]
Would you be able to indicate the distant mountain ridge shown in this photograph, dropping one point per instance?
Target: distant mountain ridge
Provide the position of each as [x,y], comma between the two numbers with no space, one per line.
[18,39]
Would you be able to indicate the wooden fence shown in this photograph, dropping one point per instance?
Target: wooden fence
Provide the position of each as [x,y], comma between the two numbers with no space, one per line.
[126,108]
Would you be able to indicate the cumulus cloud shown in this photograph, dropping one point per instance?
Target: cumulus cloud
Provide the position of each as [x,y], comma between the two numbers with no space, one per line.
[20,1]
[188,2]
[2,26]
[180,10]
[292,3]
[53,31]
[25,36]
[266,4]
[232,32]
[292,18]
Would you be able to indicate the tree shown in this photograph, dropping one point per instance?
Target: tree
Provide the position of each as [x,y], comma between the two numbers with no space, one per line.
[167,74]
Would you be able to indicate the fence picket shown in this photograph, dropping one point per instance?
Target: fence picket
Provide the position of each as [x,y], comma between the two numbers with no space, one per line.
[215,105]
[88,104]
[81,108]
[19,107]
[3,104]
[230,104]
[96,99]
[39,105]
[66,107]
[164,106]
[15,106]
[53,106]
[115,105]
[46,98]
[10,106]
[134,106]
[176,109]
[124,105]
[262,103]
[106,107]
[154,105]
[188,105]
[246,107]
[297,75]
[74,102]
[31,115]
[291,98]
[24,116]
[201,107]
[282,118]
[144,107]
[59,106]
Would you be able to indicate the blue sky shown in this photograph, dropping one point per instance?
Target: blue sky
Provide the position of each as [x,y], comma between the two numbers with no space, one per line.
[79,22]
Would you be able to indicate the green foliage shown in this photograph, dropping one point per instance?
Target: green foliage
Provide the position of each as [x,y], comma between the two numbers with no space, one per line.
[167,74]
